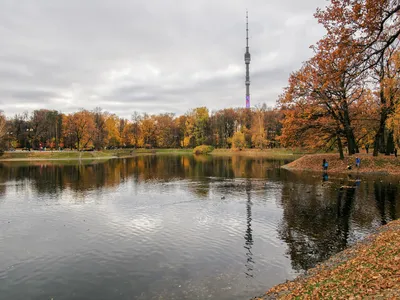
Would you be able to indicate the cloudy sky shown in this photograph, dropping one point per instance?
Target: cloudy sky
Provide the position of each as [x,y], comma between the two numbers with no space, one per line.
[148,56]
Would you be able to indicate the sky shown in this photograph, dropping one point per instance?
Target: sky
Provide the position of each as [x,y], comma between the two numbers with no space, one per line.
[149,56]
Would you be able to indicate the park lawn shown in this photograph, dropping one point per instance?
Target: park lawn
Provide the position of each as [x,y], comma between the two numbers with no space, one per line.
[53,155]
[267,153]
[73,155]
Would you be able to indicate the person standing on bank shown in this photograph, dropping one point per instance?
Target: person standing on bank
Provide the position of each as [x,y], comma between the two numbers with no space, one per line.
[358,162]
[324,165]
[366,147]
[395,152]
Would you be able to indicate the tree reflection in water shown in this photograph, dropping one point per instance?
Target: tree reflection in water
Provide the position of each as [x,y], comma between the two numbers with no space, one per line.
[321,220]
[385,197]
[318,219]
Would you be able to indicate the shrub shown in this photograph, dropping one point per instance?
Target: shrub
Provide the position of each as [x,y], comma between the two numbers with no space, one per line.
[238,141]
[203,149]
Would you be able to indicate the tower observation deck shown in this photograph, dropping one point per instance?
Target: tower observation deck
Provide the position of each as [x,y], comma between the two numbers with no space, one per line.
[247,62]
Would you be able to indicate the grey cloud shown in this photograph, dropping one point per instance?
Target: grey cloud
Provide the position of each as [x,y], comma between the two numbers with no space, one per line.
[154,56]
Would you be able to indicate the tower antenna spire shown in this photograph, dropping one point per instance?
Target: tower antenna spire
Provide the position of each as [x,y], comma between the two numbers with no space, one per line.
[247,30]
[247,62]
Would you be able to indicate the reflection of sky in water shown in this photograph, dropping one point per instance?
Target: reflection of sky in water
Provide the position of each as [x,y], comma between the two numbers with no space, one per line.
[128,229]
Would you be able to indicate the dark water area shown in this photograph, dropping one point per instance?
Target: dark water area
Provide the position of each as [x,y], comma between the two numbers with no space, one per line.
[175,227]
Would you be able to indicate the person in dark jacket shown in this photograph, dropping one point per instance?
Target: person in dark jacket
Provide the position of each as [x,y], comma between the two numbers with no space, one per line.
[324,165]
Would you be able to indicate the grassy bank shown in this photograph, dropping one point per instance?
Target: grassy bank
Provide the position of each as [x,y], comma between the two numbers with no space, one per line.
[75,155]
[267,153]
[122,153]
[385,165]
[370,269]
[54,155]
[134,152]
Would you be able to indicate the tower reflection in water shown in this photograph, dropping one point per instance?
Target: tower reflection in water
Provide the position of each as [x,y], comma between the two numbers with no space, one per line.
[248,237]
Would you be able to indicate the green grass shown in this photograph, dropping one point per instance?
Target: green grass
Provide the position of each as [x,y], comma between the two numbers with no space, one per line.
[139,151]
[106,154]
[49,155]
[270,153]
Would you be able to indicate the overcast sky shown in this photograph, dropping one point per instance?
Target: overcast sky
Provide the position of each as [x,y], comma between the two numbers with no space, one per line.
[149,56]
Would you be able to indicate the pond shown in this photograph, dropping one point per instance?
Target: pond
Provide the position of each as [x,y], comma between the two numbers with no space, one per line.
[175,227]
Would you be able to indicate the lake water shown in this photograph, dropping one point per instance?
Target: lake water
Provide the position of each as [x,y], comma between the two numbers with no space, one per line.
[175,227]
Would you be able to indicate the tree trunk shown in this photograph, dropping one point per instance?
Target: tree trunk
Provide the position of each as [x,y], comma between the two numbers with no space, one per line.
[348,130]
[390,143]
[379,142]
[378,139]
[340,147]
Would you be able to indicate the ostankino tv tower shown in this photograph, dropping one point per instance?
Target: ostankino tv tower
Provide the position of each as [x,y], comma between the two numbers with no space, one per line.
[247,62]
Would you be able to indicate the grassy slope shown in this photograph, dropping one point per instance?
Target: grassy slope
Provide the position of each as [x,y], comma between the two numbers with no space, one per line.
[368,270]
[369,164]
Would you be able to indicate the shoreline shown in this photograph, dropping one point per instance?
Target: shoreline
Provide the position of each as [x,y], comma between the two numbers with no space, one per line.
[57,159]
[369,268]
[83,155]
[128,153]
[370,165]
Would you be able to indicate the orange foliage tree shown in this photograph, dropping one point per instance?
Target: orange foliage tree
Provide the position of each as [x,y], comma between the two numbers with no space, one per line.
[80,126]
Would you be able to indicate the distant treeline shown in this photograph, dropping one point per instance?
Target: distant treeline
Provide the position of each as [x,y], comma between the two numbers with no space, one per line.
[98,129]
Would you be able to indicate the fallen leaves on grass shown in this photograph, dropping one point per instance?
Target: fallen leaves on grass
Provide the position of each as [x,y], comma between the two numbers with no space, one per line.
[370,269]
[369,164]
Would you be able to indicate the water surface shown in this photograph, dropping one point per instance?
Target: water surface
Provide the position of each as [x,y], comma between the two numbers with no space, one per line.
[175,227]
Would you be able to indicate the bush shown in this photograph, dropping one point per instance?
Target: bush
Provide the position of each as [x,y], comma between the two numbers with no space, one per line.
[238,141]
[203,149]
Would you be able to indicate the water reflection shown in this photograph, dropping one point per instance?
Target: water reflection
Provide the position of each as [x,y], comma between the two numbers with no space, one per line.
[249,233]
[321,220]
[178,227]
[385,197]
[53,178]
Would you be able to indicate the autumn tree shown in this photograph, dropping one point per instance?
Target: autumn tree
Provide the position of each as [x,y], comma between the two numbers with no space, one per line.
[197,127]
[222,124]
[180,129]
[370,28]
[46,126]
[100,134]
[148,126]
[112,124]
[80,126]
[166,130]
[238,141]
[135,129]
[259,137]
[3,130]
[325,91]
